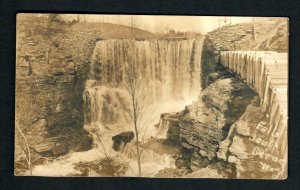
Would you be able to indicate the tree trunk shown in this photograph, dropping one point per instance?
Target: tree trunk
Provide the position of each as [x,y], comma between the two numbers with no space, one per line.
[138,149]
[135,119]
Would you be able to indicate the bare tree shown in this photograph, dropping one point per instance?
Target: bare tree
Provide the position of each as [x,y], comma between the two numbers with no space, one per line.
[26,152]
[99,138]
[134,86]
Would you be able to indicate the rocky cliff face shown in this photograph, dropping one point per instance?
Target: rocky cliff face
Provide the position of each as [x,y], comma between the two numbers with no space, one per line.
[202,126]
[51,68]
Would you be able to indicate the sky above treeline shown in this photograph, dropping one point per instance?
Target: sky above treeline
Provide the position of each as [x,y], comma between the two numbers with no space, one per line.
[163,23]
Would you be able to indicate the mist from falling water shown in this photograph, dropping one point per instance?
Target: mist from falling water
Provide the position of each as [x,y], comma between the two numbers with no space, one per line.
[151,161]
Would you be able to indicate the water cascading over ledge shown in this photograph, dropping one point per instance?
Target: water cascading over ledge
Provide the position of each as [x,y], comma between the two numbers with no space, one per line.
[170,67]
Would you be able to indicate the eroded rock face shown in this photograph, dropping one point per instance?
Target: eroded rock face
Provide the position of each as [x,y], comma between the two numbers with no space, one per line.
[218,108]
[203,127]
[50,73]
[122,138]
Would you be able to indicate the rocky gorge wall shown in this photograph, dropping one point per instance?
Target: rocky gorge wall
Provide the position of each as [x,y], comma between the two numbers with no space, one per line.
[51,68]
[200,128]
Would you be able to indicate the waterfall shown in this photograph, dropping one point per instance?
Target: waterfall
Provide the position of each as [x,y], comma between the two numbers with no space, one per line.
[171,69]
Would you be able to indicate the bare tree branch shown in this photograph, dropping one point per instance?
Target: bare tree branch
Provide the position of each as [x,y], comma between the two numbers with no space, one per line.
[133,83]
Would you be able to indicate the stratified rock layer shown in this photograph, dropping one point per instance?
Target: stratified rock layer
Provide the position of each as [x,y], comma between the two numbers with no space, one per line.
[203,127]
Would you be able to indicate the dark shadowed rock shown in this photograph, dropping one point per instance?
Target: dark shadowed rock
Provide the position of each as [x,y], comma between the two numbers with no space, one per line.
[122,138]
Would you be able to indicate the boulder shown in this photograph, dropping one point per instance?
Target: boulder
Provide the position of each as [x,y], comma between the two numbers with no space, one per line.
[122,138]
[82,145]
[213,77]
[58,108]
[168,173]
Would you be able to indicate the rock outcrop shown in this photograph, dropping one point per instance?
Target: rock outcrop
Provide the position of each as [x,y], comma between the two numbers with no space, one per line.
[202,129]
[51,69]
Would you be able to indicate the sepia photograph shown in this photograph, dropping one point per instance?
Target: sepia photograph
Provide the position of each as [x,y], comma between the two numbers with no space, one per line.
[156,96]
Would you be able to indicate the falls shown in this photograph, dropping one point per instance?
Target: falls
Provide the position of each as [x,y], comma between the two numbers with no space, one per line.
[171,72]
[171,67]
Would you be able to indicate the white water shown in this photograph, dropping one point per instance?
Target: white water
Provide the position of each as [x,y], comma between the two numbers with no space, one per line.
[152,161]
